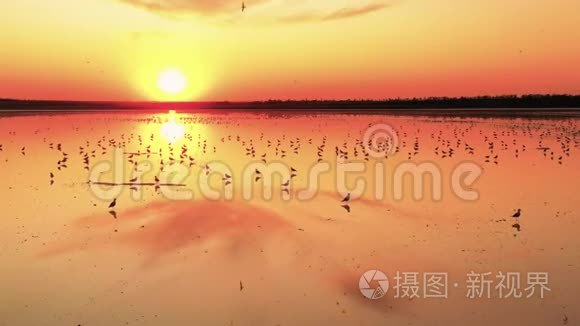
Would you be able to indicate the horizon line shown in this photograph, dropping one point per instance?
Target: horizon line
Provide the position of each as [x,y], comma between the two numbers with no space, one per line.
[388,99]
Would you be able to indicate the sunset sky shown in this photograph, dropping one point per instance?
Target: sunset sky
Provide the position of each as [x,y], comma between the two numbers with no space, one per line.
[287,49]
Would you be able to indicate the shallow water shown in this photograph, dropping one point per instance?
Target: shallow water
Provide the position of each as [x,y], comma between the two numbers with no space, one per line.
[267,261]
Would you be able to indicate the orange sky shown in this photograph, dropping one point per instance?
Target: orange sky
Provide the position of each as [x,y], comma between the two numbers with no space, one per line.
[116,49]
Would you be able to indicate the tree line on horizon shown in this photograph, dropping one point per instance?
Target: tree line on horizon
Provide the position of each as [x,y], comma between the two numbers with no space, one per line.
[528,100]
[501,101]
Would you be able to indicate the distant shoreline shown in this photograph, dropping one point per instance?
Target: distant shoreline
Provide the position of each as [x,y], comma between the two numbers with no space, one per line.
[527,106]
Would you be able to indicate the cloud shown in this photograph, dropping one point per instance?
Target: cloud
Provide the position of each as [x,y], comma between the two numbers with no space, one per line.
[168,227]
[352,12]
[336,15]
[186,6]
[218,7]
[299,18]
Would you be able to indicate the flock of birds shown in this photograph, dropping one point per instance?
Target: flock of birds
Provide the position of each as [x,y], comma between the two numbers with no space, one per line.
[489,146]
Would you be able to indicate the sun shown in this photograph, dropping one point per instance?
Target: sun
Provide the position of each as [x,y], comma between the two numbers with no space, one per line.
[172,81]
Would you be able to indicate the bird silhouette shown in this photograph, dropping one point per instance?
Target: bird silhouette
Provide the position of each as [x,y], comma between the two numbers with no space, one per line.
[346,198]
[516,216]
[113,203]
[243,6]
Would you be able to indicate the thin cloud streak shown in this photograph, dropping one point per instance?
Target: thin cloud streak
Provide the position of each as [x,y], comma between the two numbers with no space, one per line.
[336,15]
[209,7]
[353,12]
[174,8]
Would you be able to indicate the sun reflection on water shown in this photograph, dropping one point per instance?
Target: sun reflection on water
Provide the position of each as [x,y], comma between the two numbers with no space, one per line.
[171,129]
